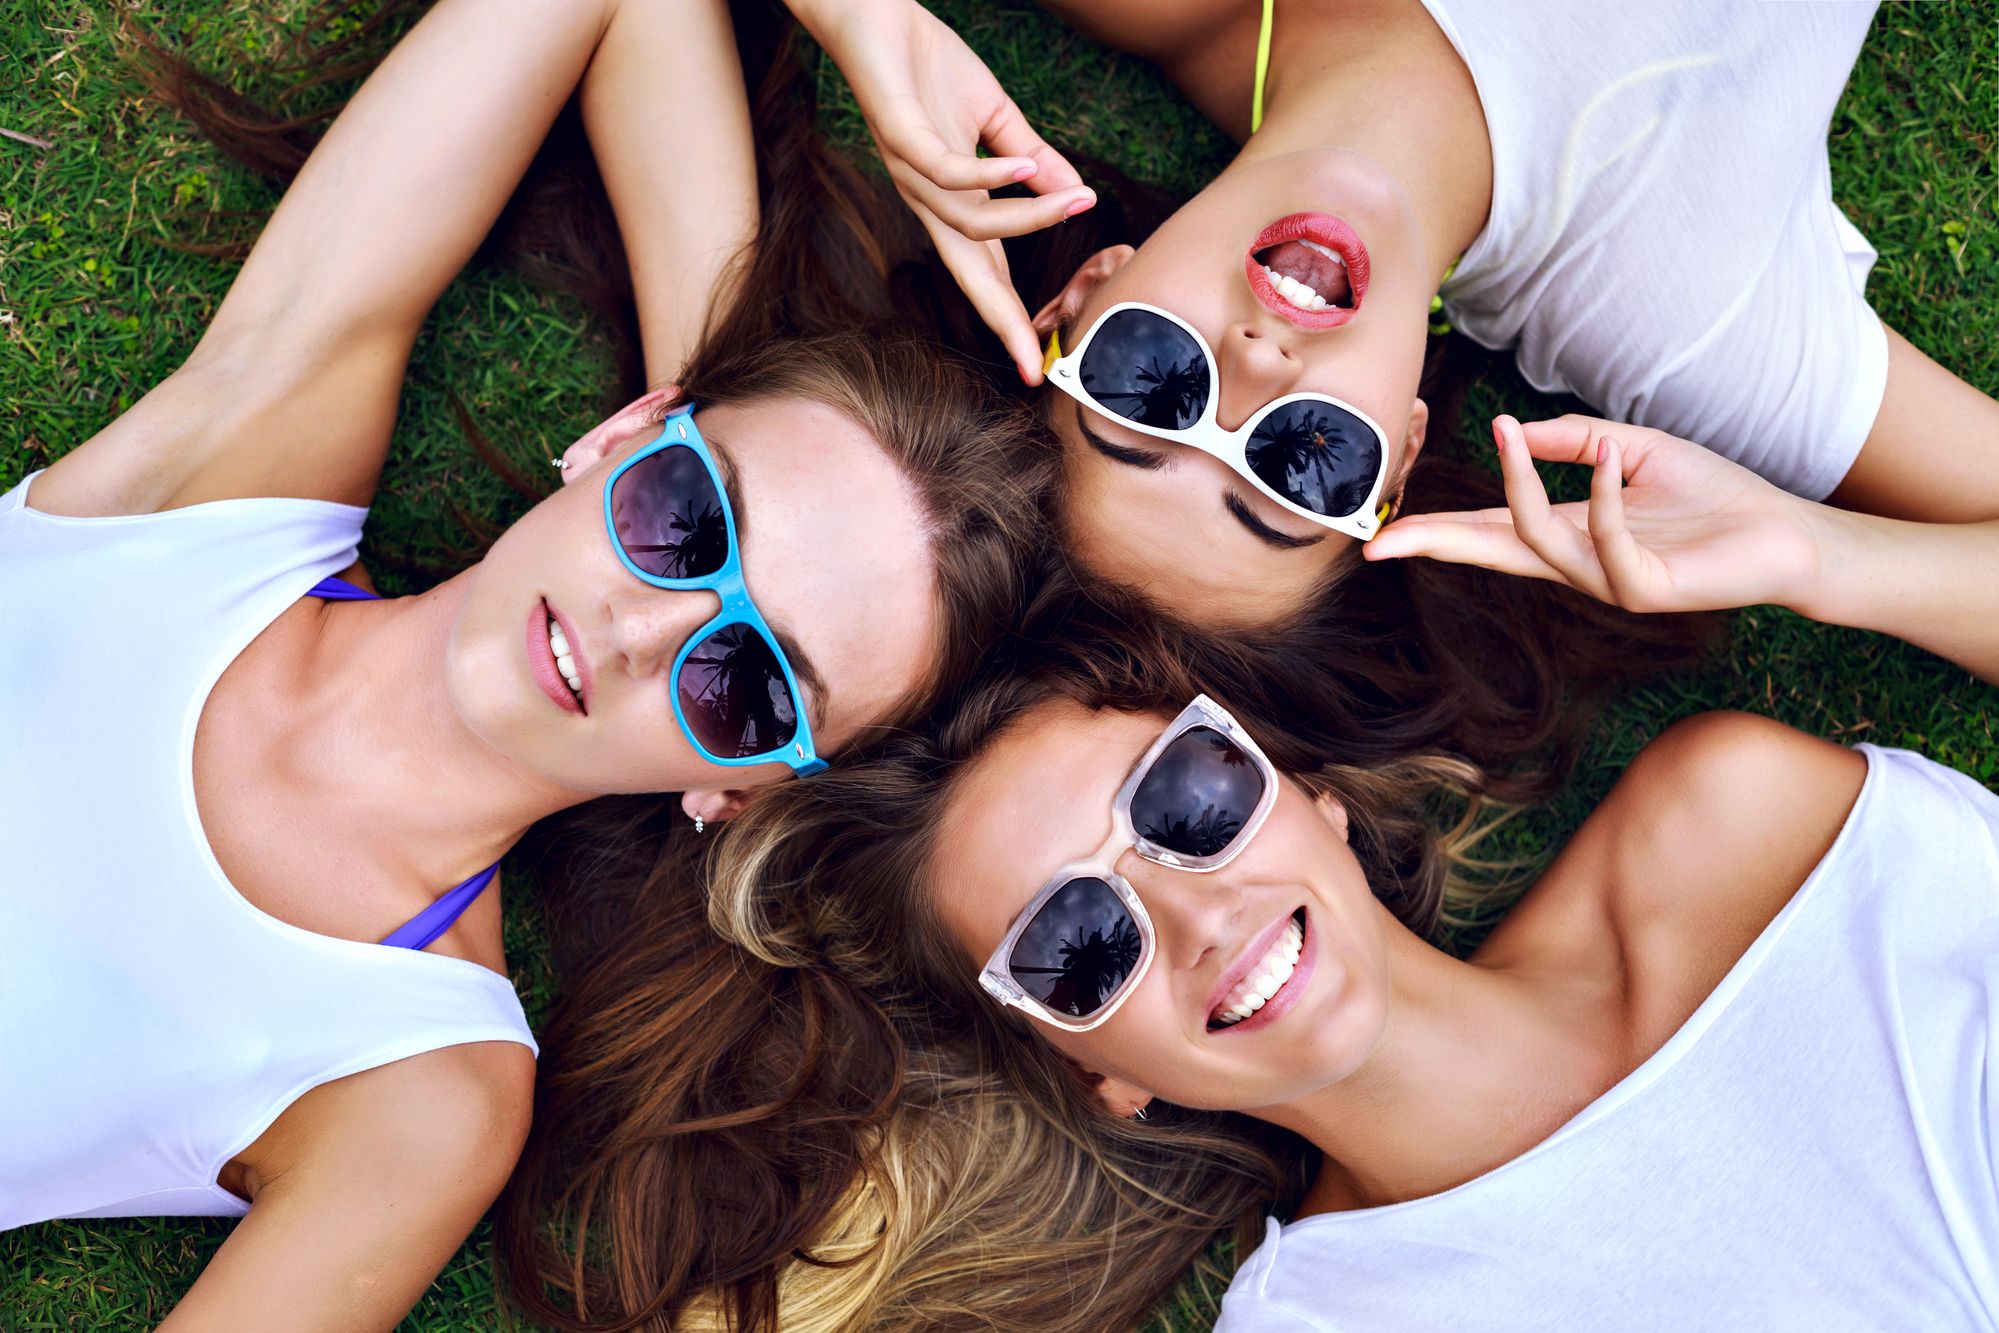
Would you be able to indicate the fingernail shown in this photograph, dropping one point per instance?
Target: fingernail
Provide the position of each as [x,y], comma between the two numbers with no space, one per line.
[1025,171]
[1079,205]
[1602,450]
[1498,439]
[1023,376]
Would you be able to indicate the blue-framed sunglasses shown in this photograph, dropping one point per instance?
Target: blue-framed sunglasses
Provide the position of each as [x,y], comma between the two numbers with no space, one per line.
[734,693]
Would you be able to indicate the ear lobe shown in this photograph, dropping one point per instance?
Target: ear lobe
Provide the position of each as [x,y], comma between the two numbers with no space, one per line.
[1123,1100]
[1333,811]
[1091,275]
[634,421]
[712,805]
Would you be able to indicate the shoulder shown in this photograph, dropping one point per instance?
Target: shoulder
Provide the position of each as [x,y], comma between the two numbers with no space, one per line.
[1705,837]
[445,1126]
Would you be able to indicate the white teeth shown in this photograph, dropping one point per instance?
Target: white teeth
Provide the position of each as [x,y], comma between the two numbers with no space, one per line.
[1294,291]
[1333,255]
[1265,978]
[565,661]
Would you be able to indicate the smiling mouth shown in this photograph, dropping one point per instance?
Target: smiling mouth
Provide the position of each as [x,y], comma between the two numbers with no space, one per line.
[1266,979]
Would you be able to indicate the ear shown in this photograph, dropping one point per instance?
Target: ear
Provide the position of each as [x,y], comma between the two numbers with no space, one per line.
[712,804]
[634,421]
[1333,811]
[1412,445]
[1123,1100]
[1061,311]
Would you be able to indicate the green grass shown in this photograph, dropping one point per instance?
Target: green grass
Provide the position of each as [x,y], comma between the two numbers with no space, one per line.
[93,310]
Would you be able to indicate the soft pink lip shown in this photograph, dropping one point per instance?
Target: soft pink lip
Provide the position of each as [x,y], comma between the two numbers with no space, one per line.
[1250,956]
[1335,235]
[585,678]
[541,662]
[1281,1003]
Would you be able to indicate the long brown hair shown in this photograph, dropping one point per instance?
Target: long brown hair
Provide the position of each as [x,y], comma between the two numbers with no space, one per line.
[852,1136]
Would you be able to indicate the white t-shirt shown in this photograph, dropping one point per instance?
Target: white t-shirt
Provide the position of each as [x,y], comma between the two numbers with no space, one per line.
[1811,1151]
[153,1022]
[1663,241]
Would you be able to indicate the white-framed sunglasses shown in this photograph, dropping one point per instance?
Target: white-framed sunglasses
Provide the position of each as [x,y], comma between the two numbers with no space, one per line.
[1083,943]
[1321,458]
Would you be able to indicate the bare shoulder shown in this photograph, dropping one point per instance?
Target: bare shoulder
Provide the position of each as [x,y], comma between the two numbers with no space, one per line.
[448,1121]
[1705,837]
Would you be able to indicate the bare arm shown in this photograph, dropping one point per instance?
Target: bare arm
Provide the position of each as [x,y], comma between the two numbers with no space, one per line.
[669,122]
[371,1184]
[293,389]
[1671,526]
[1933,453]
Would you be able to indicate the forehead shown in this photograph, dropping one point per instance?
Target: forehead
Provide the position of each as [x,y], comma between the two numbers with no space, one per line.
[1037,799]
[836,549]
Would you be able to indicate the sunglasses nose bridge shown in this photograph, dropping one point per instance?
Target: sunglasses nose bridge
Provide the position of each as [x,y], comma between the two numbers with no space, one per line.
[1255,368]
[1191,911]
[649,625]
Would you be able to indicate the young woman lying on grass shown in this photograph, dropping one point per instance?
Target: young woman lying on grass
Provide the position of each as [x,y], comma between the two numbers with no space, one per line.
[1641,210]
[250,771]
[1728,1062]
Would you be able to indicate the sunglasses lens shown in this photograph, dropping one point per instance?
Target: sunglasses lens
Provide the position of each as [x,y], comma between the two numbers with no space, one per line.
[1198,794]
[734,695]
[668,515]
[1078,950]
[1317,456]
[1148,370]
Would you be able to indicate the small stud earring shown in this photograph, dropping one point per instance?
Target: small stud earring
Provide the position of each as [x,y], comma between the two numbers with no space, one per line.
[559,462]
[700,824]
[1138,1112]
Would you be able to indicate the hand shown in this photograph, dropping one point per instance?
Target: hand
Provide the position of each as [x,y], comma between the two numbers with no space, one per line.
[930,104]
[1669,525]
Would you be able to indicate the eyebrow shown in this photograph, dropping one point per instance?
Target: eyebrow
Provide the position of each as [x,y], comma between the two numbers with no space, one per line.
[801,665]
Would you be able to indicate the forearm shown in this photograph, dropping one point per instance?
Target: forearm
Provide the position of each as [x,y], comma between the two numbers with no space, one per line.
[669,121]
[1934,584]
[409,178]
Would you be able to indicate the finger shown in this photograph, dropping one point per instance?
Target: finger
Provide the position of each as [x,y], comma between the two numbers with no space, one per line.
[1485,539]
[1573,439]
[914,141]
[1008,132]
[981,271]
[1549,536]
[1618,553]
[975,216]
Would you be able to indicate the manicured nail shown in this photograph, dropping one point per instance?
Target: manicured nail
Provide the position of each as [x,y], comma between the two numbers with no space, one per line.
[1022,172]
[1087,201]
[1498,437]
[1602,450]
[1023,376]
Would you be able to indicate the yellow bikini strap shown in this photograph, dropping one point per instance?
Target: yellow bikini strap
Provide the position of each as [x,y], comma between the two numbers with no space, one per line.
[1262,66]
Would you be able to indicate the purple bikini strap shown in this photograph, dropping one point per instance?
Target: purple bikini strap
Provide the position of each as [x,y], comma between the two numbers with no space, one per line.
[434,920]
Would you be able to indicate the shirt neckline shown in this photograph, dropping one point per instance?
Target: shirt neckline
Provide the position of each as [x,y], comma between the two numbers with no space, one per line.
[1675,1048]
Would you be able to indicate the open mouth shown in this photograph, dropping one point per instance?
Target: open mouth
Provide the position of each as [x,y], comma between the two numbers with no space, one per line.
[1310,268]
[553,664]
[1266,979]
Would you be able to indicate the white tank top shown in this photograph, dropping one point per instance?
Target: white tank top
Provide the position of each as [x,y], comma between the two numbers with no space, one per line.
[1663,241]
[152,1021]
[1811,1151]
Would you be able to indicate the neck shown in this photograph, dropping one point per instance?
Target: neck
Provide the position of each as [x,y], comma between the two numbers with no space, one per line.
[1389,85]
[376,740]
[1473,1067]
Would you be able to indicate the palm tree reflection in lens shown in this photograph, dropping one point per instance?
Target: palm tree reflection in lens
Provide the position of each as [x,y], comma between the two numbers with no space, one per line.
[669,516]
[1078,949]
[1197,794]
[1316,456]
[734,694]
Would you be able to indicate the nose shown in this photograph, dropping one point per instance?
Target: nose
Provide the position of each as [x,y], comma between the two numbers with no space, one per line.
[1192,914]
[648,625]
[1255,368]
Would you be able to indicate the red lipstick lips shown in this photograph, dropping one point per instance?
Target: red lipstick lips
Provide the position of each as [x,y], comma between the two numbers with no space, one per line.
[1321,229]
